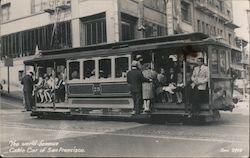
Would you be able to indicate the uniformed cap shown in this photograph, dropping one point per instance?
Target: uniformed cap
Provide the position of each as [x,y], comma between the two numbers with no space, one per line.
[173,57]
[134,63]
[138,56]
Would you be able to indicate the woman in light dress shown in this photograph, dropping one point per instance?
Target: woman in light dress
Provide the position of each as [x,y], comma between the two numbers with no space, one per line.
[148,87]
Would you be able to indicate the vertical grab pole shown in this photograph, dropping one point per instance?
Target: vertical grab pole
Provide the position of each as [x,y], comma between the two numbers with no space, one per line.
[66,80]
[185,83]
[209,51]
[36,77]
[54,95]
[8,71]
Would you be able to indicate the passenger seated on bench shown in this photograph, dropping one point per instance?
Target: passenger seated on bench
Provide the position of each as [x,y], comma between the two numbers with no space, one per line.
[54,80]
[40,89]
[47,88]
[162,80]
[171,86]
[179,88]
[60,88]
[75,75]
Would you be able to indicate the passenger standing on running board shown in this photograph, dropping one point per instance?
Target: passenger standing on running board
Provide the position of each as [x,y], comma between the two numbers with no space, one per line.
[135,79]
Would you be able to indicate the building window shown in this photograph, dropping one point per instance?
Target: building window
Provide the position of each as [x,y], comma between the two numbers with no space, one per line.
[218,32]
[203,27]
[214,62]
[127,31]
[199,25]
[207,29]
[94,28]
[214,31]
[24,43]
[158,5]
[6,12]
[186,12]
[153,30]
[236,57]
[40,5]
[128,25]
[221,6]
[229,38]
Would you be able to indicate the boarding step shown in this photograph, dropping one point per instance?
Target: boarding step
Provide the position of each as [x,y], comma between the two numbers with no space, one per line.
[179,112]
[176,106]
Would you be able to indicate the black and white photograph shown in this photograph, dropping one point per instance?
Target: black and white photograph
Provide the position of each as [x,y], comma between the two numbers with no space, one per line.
[124,78]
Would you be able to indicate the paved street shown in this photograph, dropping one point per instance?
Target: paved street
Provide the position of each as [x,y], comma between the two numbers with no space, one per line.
[22,135]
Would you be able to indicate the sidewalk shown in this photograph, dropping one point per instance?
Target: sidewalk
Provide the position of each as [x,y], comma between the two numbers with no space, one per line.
[15,93]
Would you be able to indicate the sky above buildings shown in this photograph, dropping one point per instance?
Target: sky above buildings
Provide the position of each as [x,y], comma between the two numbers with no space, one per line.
[241,19]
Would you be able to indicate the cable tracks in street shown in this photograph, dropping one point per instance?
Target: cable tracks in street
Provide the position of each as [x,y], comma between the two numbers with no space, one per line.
[135,135]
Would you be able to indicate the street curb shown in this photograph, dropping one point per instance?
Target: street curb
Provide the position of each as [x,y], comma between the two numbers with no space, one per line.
[9,95]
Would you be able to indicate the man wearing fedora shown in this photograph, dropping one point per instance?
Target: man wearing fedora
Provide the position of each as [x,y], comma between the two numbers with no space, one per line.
[135,79]
[199,85]
[28,82]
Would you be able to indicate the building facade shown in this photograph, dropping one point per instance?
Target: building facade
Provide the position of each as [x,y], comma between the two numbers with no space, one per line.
[29,25]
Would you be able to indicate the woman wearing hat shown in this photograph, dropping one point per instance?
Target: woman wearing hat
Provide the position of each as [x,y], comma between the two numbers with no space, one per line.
[148,87]
[138,60]
[135,79]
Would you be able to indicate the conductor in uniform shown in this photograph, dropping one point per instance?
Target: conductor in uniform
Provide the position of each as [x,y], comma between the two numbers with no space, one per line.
[28,82]
[135,79]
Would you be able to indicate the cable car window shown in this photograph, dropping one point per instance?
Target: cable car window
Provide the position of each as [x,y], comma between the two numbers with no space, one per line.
[121,67]
[89,69]
[214,62]
[223,62]
[74,70]
[104,68]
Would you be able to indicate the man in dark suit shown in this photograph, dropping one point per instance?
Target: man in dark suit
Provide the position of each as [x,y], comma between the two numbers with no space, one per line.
[135,79]
[28,82]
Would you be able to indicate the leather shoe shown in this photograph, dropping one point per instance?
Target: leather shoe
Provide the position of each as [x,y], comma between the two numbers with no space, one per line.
[133,113]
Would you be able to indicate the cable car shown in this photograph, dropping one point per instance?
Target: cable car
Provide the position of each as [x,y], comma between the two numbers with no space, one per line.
[96,76]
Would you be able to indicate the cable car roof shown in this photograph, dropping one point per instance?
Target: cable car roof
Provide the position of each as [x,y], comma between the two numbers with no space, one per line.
[174,41]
